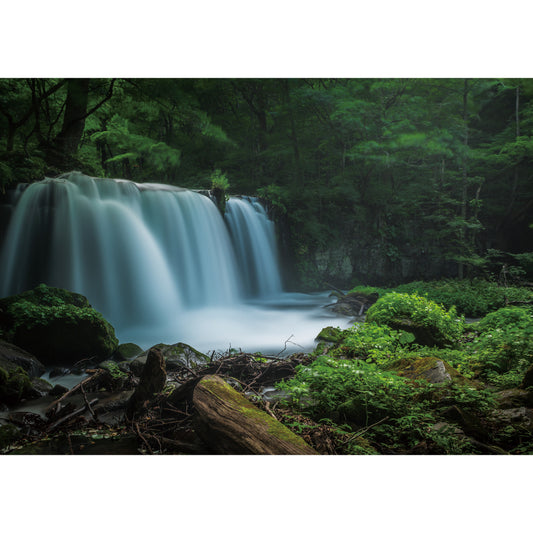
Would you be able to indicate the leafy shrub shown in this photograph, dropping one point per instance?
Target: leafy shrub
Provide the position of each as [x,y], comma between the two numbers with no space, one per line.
[219,181]
[371,342]
[472,298]
[396,413]
[430,323]
[504,345]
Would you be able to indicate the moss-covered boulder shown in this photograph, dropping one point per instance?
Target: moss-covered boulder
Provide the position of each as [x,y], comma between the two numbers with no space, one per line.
[12,356]
[331,335]
[56,326]
[431,369]
[528,378]
[15,385]
[428,321]
[176,356]
[127,351]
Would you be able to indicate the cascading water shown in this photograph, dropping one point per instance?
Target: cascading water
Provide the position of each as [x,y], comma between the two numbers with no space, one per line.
[255,245]
[159,262]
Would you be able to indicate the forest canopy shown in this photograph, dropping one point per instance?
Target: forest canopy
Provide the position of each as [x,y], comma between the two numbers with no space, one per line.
[370,180]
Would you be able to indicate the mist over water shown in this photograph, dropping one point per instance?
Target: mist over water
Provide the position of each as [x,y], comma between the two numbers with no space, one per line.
[160,263]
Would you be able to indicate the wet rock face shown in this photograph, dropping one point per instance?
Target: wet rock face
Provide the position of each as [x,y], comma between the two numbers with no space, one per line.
[12,356]
[176,356]
[354,303]
[56,326]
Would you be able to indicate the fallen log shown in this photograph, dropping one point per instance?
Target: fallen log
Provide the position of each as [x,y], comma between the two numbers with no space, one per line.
[231,424]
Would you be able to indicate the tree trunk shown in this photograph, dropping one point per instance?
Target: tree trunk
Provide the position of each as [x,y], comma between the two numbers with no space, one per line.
[231,424]
[69,137]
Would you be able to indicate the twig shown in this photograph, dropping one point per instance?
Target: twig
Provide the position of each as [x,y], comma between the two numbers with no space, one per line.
[92,377]
[287,341]
[87,403]
[364,430]
[269,411]
[138,431]
[71,415]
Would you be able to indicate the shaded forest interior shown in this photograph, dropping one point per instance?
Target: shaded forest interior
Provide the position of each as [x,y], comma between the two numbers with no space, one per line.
[369,180]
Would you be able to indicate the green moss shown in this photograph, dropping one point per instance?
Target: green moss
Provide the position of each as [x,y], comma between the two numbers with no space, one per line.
[14,385]
[330,334]
[56,325]
[226,393]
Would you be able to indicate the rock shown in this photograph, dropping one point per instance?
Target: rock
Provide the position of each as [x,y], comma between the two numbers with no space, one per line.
[429,368]
[230,424]
[41,387]
[354,303]
[330,335]
[15,385]
[176,356]
[127,351]
[153,379]
[56,326]
[12,356]
[57,391]
[59,371]
[528,378]
[516,415]
[470,424]
[510,398]
[9,433]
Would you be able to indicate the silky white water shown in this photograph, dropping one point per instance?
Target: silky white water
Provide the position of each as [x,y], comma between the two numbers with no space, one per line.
[160,263]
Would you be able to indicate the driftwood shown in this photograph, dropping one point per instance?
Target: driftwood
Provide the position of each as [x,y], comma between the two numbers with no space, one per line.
[153,379]
[94,377]
[231,424]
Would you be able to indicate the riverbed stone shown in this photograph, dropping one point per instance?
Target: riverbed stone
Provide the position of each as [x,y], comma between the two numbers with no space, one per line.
[127,351]
[176,356]
[12,356]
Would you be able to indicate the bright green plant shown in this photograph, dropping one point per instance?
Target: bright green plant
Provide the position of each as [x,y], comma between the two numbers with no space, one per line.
[504,347]
[219,181]
[372,342]
[428,321]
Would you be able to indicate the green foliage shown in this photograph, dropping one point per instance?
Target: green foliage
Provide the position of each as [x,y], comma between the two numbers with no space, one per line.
[219,181]
[372,342]
[276,195]
[504,347]
[419,315]
[395,413]
[473,298]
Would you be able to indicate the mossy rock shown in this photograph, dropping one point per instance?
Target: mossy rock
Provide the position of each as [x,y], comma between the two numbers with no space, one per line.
[331,334]
[12,356]
[56,326]
[176,356]
[127,351]
[528,378]
[15,385]
[432,369]
[9,433]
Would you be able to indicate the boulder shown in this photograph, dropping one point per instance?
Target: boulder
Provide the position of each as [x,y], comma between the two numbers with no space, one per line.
[431,369]
[354,303]
[56,325]
[528,378]
[331,335]
[510,398]
[176,356]
[127,351]
[12,356]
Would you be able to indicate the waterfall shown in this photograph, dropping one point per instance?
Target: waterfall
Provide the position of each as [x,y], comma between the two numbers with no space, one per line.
[159,262]
[253,237]
[141,253]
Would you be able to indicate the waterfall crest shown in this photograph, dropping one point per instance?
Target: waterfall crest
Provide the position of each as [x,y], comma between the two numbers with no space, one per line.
[141,253]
